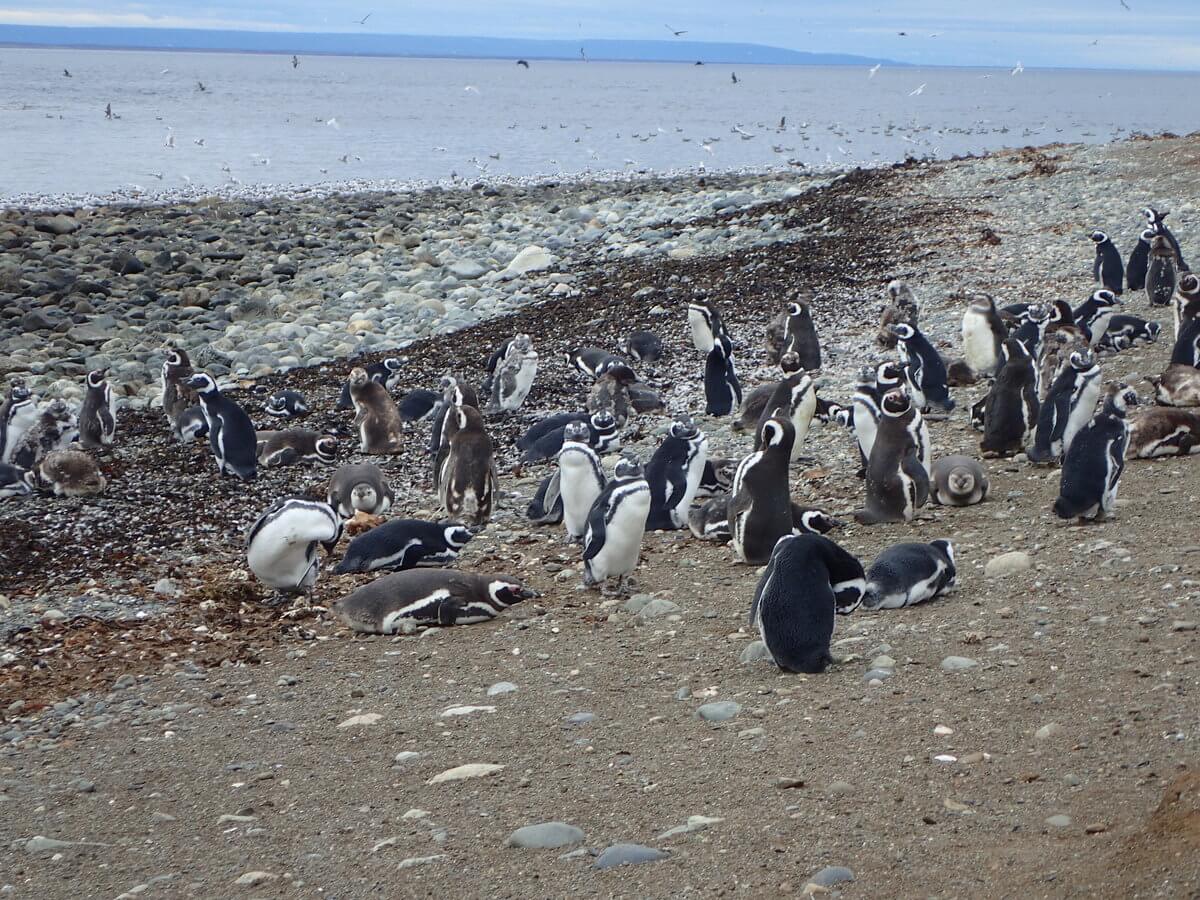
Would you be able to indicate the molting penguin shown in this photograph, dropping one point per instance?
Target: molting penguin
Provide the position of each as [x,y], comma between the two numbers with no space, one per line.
[641,346]
[909,573]
[674,474]
[177,397]
[231,434]
[1093,315]
[1178,385]
[98,415]
[1094,462]
[722,390]
[18,414]
[897,479]
[71,473]
[1162,273]
[580,479]
[902,307]
[55,427]
[1068,407]
[704,323]
[285,448]
[808,580]
[926,369]
[287,404]
[612,541]
[488,387]
[376,417]
[1139,260]
[760,506]
[427,597]
[983,335]
[958,481]
[1156,221]
[1163,431]
[281,546]
[1107,268]
[385,373]
[610,392]
[514,375]
[454,394]
[360,487]
[546,507]
[15,482]
[1011,409]
[404,544]
[469,469]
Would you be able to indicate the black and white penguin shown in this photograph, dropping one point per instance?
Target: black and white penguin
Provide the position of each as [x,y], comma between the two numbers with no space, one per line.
[902,307]
[722,390]
[983,334]
[760,506]
[177,398]
[359,487]
[544,438]
[1156,221]
[1124,331]
[231,434]
[18,414]
[580,479]
[15,482]
[1139,260]
[1186,351]
[98,415]
[718,477]
[1067,408]
[897,478]
[546,507]
[800,335]
[376,418]
[418,404]
[454,393]
[909,573]
[641,346]
[958,481]
[1032,331]
[710,520]
[404,544]
[926,369]
[704,324]
[809,579]
[428,597]
[592,361]
[468,471]
[53,429]
[514,375]
[1093,315]
[1011,408]
[1186,302]
[288,404]
[754,404]
[543,427]
[1163,431]
[191,424]
[872,385]
[796,398]
[830,412]
[1178,385]
[674,473]
[281,546]
[70,473]
[616,524]
[1162,272]
[1094,462]
[385,372]
[1107,268]
[286,448]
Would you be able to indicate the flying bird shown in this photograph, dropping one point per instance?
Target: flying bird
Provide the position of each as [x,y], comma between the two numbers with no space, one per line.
[733,75]
[66,73]
[1018,69]
[871,71]
[363,20]
[674,32]
[521,62]
[199,142]
[1126,5]
[471,89]
[200,87]
[333,123]
[295,62]
[919,90]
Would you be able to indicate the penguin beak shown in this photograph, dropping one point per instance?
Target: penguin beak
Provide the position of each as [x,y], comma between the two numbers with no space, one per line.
[528,593]
[196,381]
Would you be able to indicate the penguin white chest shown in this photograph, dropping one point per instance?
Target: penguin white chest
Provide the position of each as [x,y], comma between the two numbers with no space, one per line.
[979,344]
[802,419]
[521,384]
[865,426]
[623,537]
[702,336]
[578,488]
[695,471]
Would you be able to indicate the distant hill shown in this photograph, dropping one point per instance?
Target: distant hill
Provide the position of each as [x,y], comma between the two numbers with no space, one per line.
[435,46]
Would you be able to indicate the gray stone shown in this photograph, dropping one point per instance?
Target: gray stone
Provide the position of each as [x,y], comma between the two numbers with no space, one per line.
[627,855]
[545,836]
[467,269]
[693,823]
[656,608]
[1058,821]
[57,225]
[831,875]
[755,651]
[254,879]
[637,603]
[959,664]
[1006,564]
[580,718]
[720,711]
[1049,731]
[501,687]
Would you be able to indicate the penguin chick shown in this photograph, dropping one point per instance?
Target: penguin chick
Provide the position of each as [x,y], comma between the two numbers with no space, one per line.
[286,405]
[55,427]
[360,487]
[71,473]
[285,448]
[376,417]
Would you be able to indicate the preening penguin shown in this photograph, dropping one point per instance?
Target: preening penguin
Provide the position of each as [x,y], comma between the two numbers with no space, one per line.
[580,479]
[1011,410]
[376,417]
[360,487]
[98,415]
[18,414]
[71,473]
[231,434]
[285,448]
[592,361]
[546,507]
[1068,407]
[1139,259]
[704,323]
[983,334]
[281,546]
[1156,221]
[722,390]
[926,369]
[958,481]
[1178,385]
[674,474]
[1094,462]
[909,573]
[288,404]
[404,544]
[15,482]
[54,428]
[514,375]
[1107,268]
[610,392]
[1164,431]
[469,469]
[897,480]
[809,580]
[800,333]
[428,597]
[616,524]
[1162,272]
[760,506]
[177,397]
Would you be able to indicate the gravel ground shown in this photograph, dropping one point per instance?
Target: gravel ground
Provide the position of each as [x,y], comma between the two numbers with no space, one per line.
[216,747]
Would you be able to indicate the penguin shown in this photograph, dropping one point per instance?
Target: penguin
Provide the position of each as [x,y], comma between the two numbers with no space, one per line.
[580,479]
[983,334]
[18,414]
[404,544]
[644,399]
[793,331]
[1011,408]
[285,448]
[704,323]
[828,412]
[610,392]
[1094,314]
[285,405]
[1155,221]
[177,397]
[927,371]
[717,477]
[469,469]
[1068,407]
[359,487]
[454,393]
[897,477]
[71,473]
[55,427]
[1186,301]
[281,545]
[488,385]
[616,523]
[376,417]
[1162,273]
[192,424]
[544,439]
[722,390]
[592,361]
[674,473]
[1107,268]
[1124,331]
[796,398]
[514,375]
[385,372]
[641,346]
[418,404]
[1139,260]
[754,404]
[959,374]
[1055,357]
[1093,464]
[230,432]
[1032,332]
[872,385]
[710,520]
[428,597]
[1178,385]
[760,510]
[1186,351]
[98,415]
[902,307]
[15,482]
[909,573]
[546,507]
[808,580]
[958,481]
[1163,431]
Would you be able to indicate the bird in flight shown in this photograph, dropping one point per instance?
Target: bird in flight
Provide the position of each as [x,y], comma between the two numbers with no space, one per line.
[295,62]
[871,71]
[1126,5]
[1018,68]
[363,20]
[66,73]
[674,32]
[733,75]
[521,62]
[200,87]
[920,90]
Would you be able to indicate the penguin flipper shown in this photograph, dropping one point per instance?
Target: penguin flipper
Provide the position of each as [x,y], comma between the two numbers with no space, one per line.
[762,584]
[594,533]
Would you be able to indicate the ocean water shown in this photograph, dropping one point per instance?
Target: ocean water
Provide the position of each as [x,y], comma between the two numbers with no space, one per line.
[262,125]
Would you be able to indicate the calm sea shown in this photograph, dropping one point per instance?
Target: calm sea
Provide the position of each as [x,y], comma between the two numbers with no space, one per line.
[187,121]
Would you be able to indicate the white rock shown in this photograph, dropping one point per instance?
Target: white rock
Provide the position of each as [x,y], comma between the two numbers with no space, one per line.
[470,770]
[501,687]
[363,719]
[465,711]
[253,879]
[1005,564]
[532,259]
[419,861]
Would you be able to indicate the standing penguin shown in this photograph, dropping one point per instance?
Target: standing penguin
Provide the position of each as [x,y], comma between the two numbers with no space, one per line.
[18,414]
[98,415]
[403,544]
[796,398]
[674,475]
[514,375]
[469,469]
[1068,407]
[1093,315]
[281,546]
[231,434]
[897,479]
[376,417]
[1156,221]
[926,369]
[722,390]
[616,525]
[1107,268]
[385,372]
[983,334]
[760,505]
[909,573]
[580,479]
[177,397]
[704,324]
[1094,462]
[794,332]
[1186,302]
[1162,273]
[902,307]
[1139,259]
[809,579]
[1011,408]
[359,487]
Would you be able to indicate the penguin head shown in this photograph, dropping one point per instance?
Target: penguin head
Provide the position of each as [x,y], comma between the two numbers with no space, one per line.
[1038,313]
[393,364]
[818,522]
[446,383]
[504,590]
[202,382]
[521,343]
[895,403]
[358,377]
[1189,285]
[790,362]
[1061,313]
[899,291]
[1122,396]
[577,432]
[276,405]
[944,545]
[902,330]
[1105,297]
[326,448]
[457,536]
[775,431]
[982,303]
[623,344]
[18,390]
[1014,349]
[628,467]
[866,376]
[618,372]
[1099,237]
[960,480]
[1153,216]
[684,428]
[1147,235]
[1082,360]
[603,420]
[176,358]
[889,373]
[795,308]
[95,378]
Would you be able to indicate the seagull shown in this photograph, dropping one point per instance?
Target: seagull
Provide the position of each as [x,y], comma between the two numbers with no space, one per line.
[333,123]
[493,156]
[200,87]
[521,62]
[345,158]
[170,140]
[919,90]
[733,75]
[164,71]
[707,148]
[674,32]
[295,62]
[782,122]
[1018,69]
[470,88]
[1126,5]
[871,71]
[157,175]
[199,142]
[66,73]
[363,20]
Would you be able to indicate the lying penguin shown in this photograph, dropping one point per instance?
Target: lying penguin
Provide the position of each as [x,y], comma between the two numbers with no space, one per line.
[425,597]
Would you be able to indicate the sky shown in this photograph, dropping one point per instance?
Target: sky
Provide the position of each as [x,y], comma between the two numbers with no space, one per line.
[1164,34]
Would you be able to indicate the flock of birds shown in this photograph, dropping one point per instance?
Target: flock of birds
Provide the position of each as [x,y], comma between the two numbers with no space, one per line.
[1046,400]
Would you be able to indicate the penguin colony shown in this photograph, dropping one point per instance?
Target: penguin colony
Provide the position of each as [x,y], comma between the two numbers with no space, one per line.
[1046,400]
